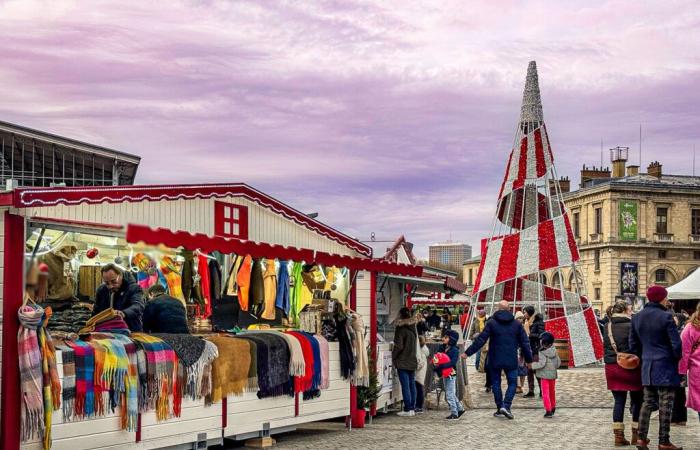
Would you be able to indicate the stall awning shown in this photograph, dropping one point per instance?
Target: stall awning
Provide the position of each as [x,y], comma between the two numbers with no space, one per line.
[430,284]
[455,285]
[208,244]
[456,300]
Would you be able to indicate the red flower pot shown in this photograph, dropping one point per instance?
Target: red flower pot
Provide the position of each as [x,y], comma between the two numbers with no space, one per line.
[358,419]
[373,410]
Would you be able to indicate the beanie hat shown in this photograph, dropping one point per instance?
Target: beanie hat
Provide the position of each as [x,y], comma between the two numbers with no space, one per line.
[547,339]
[657,294]
[454,337]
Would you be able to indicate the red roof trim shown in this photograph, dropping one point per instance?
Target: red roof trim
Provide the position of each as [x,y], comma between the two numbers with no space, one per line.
[28,197]
[174,239]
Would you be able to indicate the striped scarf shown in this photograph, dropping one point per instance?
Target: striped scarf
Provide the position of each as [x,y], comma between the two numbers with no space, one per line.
[84,356]
[161,366]
[130,410]
[195,357]
[325,364]
[31,377]
[51,382]
[68,357]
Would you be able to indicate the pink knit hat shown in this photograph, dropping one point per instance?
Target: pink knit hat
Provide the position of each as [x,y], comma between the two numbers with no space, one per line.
[657,294]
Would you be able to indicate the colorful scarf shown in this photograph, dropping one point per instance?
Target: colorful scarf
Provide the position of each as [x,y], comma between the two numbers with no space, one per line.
[316,374]
[68,358]
[304,383]
[130,410]
[273,364]
[113,361]
[195,356]
[30,368]
[113,325]
[102,316]
[161,376]
[171,273]
[230,370]
[52,384]
[282,295]
[325,364]
[361,375]
[84,356]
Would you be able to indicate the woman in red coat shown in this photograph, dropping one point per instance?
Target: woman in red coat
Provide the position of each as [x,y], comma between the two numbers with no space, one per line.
[622,382]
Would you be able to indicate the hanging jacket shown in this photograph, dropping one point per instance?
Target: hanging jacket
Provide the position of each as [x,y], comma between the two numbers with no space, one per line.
[214,280]
[203,271]
[282,294]
[296,299]
[270,290]
[232,281]
[243,281]
[257,287]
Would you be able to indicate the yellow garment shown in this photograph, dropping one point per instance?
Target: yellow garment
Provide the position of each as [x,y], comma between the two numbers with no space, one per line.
[171,272]
[270,288]
[311,280]
[243,278]
[330,279]
[482,323]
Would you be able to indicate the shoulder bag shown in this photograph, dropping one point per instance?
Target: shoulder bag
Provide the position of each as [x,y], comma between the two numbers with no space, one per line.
[627,361]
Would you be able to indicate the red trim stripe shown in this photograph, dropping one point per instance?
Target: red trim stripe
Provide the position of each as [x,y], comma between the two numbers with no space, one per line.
[572,241]
[540,162]
[505,178]
[549,146]
[508,264]
[522,165]
[548,246]
[594,332]
[477,282]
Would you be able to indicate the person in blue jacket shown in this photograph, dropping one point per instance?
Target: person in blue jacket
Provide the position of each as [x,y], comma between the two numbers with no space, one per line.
[655,339]
[121,292]
[448,374]
[505,336]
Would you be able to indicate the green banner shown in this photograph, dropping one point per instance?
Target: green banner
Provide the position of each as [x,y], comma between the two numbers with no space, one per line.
[628,220]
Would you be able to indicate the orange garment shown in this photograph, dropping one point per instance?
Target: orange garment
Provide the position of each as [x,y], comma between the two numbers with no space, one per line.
[243,280]
[270,287]
[170,271]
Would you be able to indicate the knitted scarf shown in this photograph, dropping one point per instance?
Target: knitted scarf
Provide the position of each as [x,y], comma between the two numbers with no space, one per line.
[253,370]
[304,383]
[51,382]
[273,364]
[196,356]
[84,356]
[102,316]
[161,376]
[68,357]
[130,410]
[325,363]
[30,368]
[347,359]
[361,375]
[114,325]
[229,372]
[297,366]
[316,376]
[113,372]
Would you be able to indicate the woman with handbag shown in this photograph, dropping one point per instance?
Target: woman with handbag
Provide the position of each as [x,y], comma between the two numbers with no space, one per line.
[690,361]
[622,371]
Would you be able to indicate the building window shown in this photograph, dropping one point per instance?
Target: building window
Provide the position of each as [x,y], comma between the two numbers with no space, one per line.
[660,276]
[598,221]
[556,281]
[695,222]
[230,220]
[471,283]
[696,254]
[577,225]
[596,259]
[597,293]
[662,254]
[662,220]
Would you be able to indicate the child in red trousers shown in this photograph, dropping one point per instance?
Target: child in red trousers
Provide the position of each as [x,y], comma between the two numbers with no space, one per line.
[546,370]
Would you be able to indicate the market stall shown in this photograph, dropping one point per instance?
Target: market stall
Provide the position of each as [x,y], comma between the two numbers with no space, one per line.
[208,246]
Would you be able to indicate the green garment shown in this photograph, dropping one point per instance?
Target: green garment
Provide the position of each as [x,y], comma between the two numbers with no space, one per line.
[295,297]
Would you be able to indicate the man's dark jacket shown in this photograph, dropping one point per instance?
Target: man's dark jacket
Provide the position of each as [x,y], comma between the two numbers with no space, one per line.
[505,335]
[128,299]
[655,339]
[165,314]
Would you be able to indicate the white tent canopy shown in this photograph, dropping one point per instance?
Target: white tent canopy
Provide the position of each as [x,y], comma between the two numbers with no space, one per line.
[686,289]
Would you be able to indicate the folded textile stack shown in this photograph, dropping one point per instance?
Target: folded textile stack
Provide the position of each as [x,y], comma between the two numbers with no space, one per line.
[196,357]
[72,319]
[104,316]
[230,371]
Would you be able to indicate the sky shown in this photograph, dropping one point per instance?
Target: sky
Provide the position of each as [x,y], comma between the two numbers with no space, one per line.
[393,118]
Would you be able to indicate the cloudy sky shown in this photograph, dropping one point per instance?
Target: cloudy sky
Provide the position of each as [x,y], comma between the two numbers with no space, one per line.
[388,117]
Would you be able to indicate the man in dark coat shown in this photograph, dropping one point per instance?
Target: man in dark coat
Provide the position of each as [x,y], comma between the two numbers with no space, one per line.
[534,327]
[163,313]
[405,359]
[505,336]
[655,339]
[120,292]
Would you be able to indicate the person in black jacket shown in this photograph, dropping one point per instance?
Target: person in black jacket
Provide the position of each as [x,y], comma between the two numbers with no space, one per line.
[534,327]
[164,314]
[405,359]
[120,292]
[505,336]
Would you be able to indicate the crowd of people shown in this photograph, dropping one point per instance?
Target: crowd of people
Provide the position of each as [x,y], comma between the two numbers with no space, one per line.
[651,358]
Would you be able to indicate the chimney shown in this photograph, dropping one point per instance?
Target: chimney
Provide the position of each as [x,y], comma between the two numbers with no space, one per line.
[632,171]
[564,185]
[654,169]
[589,174]
[618,156]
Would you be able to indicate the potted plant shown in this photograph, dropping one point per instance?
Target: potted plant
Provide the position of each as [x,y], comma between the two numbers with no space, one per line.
[367,395]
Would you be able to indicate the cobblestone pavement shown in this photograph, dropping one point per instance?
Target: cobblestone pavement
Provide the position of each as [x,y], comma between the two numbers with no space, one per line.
[583,421]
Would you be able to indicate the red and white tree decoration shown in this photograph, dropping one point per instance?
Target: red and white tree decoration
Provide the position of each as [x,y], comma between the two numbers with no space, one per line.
[532,235]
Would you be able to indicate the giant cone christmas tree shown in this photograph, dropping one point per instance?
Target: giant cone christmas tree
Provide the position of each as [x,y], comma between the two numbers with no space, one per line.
[532,237]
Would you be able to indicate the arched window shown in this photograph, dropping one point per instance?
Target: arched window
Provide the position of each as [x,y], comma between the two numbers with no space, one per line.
[660,276]
[578,280]
[543,279]
[556,280]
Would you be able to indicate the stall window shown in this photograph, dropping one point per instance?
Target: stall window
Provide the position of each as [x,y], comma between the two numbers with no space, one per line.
[230,220]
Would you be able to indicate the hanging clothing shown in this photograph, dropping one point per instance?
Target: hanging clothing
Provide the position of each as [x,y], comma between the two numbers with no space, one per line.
[214,281]
[204,282]
[172,276]
[282,294]
[341,285]
[296,291]
[270,290]
[311,279]
[232,281]
[243,280]
[257,287]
